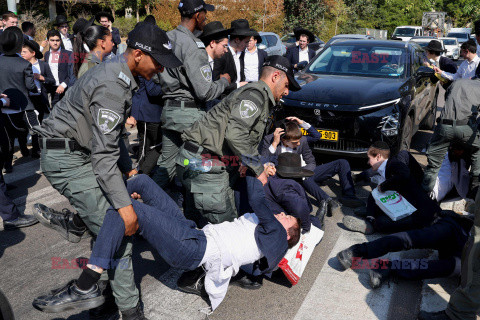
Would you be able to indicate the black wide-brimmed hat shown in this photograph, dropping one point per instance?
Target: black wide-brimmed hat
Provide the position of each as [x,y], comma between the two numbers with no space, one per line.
[282,63]
[435,46]
[11,40]
[290,166]
[60,20]
[299,31]
[104,14]
[214,31]
[241,28]
[256,35]
[34,46]
[81,25]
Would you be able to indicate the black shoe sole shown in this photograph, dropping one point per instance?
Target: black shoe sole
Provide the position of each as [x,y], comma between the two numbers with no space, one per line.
[191,291]
[8,227]
[246,286]
[66,235]
[78,305]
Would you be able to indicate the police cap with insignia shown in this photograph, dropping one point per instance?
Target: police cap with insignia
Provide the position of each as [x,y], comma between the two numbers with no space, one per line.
[282,63]
[189,7]
[152,40]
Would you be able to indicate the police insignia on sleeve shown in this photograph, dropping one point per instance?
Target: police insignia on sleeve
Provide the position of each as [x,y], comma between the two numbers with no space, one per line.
[200,44]
[124,77]
[206,72]
[247,109]
[107,120]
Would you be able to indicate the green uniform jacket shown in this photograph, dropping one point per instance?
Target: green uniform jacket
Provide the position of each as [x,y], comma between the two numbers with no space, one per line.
[90,62]
[93,112]
[463,99]
[236,125]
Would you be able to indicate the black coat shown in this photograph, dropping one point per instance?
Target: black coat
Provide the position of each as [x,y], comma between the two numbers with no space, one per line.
[226,64]
[65,67]
[116,39]
[294,56]
[47,86]
[16,80]
[262,55]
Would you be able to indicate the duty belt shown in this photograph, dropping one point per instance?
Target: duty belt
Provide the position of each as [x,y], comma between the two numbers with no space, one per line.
[60,144]
[194,148]
[454,122]
[184,104]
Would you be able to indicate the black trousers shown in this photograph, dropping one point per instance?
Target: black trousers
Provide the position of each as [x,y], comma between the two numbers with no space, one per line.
[8,210]
[445,235]
[150,139]
[42,108]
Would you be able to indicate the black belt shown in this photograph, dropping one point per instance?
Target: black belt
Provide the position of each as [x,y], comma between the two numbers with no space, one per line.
[194,148]
[60,144]
[454,122]
[185,104]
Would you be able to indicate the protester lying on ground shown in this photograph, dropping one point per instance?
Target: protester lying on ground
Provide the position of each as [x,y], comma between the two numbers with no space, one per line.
[453,175]
[289,138]
[220,248]
[448,235]
[403,174]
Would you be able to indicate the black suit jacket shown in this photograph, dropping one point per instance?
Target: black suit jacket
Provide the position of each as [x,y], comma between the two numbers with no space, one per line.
[294,56]
[447,65]
[116,39]
[47,86]
[65,67]
[226,64]
[16,80]
[262,55]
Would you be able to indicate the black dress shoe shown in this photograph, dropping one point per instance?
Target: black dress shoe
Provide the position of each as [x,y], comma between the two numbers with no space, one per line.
[134,313]
[378,277]
[60,221]
[345,256]
[193,282]
[440,315]
[108,310]
[69,297]
[333,208]
[247,281]
[362,225]
[21,222]
[351,201]
[322,210]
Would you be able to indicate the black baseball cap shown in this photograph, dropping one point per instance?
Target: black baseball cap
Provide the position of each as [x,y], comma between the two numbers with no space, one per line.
[188,7]
[152,40]
[282,63]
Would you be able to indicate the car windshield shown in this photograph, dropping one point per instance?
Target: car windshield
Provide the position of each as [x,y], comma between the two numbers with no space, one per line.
[292,40]
[449,42]
[404,32]
[362,60]
[459,35]
[422,43]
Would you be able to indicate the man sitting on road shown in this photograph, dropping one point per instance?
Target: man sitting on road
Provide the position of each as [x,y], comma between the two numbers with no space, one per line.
[221,249]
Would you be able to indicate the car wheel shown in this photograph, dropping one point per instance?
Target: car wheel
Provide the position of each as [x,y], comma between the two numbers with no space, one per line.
[6,312]
[407,133]
[429,121]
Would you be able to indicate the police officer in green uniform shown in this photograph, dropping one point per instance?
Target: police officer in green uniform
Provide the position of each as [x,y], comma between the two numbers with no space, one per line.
[457,123]
[83,155]
[225,142]
[185,89]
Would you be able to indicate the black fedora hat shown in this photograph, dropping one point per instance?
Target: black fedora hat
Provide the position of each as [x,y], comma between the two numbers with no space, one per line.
[11,41]
[299,31]
[104,14]
[290,166]
[240,27]
[81,25]
[435,46]
[256,35]
[60,20]
[34,46]
[214,31]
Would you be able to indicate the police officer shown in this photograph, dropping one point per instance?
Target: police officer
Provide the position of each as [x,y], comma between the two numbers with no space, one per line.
[187,88]
[457,123]
[225,141]
[84,156]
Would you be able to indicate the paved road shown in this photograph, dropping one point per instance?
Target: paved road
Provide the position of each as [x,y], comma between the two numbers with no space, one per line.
[28,257]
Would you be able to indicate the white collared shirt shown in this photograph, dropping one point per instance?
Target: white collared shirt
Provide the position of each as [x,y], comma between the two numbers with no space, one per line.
[54,68]
[36,69]
[236,58]
[67,43]
[380,176]
[303,55]
[251,65]
[210,62]
[465,71]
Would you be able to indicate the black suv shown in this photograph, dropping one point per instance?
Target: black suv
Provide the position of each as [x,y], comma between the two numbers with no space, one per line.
[356,92]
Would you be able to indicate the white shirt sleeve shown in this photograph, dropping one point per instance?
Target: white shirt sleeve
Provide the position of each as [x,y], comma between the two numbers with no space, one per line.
[272,149]
[64,85]
[305,125]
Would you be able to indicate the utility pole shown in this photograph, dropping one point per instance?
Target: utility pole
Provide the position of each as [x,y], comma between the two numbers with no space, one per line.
[12,6]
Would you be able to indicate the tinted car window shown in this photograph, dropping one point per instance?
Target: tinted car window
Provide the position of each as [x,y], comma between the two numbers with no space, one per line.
[448,42]
[272,40]
[361,60]
[406,32]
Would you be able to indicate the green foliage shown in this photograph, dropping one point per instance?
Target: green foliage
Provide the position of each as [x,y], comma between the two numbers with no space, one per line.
[125,25]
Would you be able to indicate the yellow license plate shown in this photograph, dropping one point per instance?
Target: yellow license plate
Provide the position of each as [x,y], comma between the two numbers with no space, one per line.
[325,134]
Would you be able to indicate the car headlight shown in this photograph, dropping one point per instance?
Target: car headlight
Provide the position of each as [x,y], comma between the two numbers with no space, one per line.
[389,125]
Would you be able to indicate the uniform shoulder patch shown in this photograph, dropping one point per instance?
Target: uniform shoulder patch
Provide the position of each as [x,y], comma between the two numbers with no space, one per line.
[107,120]
[247,109]
[200,44]
[122,76]
[206,72]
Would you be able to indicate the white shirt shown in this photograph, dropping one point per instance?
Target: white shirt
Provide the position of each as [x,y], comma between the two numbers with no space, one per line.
[67,43]
[236,58]
[36,69]
[450,176]
[53,63]
[230,245]
[465,71]
[210,61]
[251,65]
[303,55]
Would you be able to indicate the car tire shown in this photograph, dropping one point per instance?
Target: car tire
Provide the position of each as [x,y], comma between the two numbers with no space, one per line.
[6,312]
[429,120]
[407,134]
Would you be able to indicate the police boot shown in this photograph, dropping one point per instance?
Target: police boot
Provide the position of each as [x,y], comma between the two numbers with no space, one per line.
[134,313]
[108,310]
[440,315]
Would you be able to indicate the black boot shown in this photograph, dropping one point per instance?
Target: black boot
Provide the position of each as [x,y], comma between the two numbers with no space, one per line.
[134,313]
[108,310]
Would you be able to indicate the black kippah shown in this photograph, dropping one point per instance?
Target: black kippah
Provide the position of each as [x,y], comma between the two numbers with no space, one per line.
[382,145]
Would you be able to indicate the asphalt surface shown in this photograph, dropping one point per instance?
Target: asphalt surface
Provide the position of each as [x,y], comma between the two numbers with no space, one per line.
[30,263]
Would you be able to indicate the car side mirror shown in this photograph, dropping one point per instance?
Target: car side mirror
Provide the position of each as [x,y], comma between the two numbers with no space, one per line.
[425,72]
[301,65]
[262,46]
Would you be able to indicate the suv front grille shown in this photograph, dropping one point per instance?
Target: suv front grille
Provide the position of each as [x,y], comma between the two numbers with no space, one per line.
[343,145]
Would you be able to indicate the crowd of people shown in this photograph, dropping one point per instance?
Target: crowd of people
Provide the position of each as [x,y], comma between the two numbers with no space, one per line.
[210,189]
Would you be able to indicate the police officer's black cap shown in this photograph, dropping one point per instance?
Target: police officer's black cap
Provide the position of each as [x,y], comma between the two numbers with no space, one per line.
[104,14]
[34,46]
[11,41]
[81,25]
[188,7]
[152,40]
[381,145]
[214,31]
[282,63]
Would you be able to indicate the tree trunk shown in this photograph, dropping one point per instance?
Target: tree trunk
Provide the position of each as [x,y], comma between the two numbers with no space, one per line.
[147,9]
[113,13]
[138,14]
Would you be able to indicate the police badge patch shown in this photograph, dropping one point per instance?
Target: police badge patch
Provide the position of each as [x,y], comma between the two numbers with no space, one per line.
[107,120]
[206,73]
[247,109]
